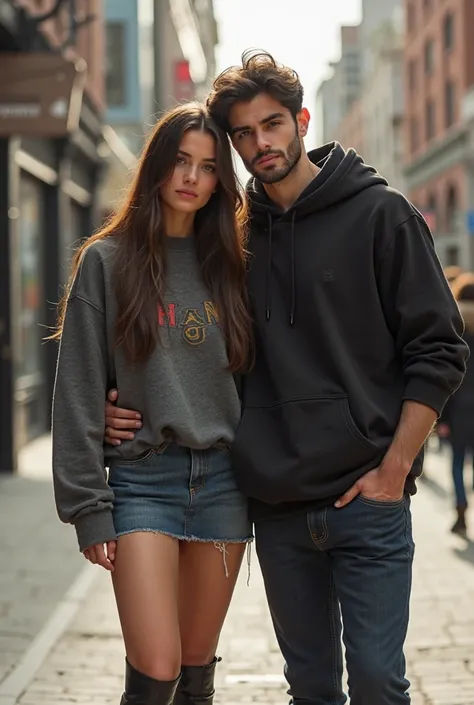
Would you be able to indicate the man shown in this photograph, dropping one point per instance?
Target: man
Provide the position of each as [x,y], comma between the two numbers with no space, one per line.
[358,347]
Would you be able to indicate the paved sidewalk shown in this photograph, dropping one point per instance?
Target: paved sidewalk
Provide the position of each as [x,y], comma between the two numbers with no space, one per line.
[86,666]
[38,556]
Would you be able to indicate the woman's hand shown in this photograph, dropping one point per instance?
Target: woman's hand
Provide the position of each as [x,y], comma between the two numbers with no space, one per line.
[102,554]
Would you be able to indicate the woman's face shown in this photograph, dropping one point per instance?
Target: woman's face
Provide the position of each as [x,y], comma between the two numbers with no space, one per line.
[194,178]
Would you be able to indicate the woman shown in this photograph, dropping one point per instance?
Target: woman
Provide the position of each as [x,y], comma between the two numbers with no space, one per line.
[457,422]
[156,307]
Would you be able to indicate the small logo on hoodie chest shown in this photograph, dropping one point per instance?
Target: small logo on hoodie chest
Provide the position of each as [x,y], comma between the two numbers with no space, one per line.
[329,275]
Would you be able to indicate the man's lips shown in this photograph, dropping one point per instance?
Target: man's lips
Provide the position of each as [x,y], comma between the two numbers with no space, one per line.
[268,158]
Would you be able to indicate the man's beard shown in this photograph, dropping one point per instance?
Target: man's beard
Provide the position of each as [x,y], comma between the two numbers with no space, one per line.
[275,174]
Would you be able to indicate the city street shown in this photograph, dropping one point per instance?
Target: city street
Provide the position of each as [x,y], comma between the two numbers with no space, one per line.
[77,656]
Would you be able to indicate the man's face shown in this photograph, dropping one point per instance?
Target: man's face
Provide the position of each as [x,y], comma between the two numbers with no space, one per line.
[267,138]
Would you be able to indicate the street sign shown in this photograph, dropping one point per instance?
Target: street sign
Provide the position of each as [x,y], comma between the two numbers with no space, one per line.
[40,94]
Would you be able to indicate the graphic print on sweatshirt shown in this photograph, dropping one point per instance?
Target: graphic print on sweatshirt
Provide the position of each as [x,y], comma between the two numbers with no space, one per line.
[193,323]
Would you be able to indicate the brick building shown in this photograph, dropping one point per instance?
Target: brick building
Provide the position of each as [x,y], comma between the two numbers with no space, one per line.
[351,130]
[439,100]
[51,137]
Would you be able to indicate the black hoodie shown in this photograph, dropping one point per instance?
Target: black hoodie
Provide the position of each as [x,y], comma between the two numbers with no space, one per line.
[353,315]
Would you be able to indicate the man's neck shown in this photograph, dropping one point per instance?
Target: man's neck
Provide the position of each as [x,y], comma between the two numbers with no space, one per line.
[284,193]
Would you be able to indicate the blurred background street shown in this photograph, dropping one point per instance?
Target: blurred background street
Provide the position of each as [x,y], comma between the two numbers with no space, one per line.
[81,82]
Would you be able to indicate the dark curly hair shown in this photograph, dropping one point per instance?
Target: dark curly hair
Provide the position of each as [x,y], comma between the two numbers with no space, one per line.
[259,73]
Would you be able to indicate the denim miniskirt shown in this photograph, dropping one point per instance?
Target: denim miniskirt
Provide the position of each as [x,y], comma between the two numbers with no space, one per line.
[188,494]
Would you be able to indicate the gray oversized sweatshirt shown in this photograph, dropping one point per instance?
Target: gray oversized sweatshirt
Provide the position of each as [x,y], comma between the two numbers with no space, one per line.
[184,392]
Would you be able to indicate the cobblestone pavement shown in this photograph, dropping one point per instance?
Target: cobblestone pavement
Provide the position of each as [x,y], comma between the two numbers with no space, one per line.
[87,664]
[38,558]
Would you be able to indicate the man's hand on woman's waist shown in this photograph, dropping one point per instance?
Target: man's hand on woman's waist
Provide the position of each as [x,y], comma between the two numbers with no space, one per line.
[120,424]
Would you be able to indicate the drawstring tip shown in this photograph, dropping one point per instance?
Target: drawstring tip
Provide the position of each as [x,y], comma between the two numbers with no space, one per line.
[292,320]
[267,314]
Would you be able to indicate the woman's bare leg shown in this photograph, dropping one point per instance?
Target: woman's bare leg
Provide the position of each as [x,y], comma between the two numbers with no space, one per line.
[145,582]
[205,593]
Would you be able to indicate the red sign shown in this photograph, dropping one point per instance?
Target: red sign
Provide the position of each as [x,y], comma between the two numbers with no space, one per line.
[183,83]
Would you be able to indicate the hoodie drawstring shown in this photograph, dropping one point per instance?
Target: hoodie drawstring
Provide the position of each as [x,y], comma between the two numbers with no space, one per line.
[293,271]
[268,289]
[268,293]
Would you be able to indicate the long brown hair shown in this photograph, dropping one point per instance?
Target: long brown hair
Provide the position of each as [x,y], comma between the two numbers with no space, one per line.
[140,267]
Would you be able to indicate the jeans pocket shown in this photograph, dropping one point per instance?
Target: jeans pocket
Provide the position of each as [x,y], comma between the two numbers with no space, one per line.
[142,457]
[381,503]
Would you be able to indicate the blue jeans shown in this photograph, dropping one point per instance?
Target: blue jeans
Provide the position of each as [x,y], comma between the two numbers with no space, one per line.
[354,563]
[459,456]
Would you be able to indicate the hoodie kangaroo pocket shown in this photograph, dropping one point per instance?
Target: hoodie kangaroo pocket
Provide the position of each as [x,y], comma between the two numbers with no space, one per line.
[294,450]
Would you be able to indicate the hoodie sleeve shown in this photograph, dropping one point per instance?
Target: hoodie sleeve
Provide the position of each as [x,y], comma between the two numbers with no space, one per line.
[422,315]
[83,497]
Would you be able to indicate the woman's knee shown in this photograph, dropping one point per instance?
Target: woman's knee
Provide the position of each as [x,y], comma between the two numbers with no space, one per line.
[160,666]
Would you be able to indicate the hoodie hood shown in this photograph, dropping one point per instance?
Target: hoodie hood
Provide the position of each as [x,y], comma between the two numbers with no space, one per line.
[342,176]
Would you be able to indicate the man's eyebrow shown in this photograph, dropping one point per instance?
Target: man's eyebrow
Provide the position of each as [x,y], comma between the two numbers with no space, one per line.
[241,128]
[186,154]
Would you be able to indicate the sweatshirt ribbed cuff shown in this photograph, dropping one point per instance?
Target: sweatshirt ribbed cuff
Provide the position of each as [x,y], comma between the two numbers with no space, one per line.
[94,528]
[425,392]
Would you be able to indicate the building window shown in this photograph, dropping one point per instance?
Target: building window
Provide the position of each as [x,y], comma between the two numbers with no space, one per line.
[429,57]
[449,107]
[431,208]
[452,211]
[429,120]
[115,64]
[412,76]
[448,32]
[31,239]
[414,135]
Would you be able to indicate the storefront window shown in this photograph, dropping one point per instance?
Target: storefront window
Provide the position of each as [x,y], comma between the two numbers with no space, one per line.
[30,310]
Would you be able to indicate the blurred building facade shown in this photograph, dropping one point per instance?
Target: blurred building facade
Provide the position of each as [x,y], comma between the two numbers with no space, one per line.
[439,126]
[371,120]
[158,53]
[416,99]
[186,37]
[382,100]
[337,94]
[130,65]
[81,83]
[51,119]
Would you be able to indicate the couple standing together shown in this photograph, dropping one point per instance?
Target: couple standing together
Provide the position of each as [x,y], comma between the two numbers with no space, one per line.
[285,365]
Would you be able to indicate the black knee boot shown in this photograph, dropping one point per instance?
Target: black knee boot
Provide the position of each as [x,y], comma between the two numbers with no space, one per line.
[143,690]
[196,685]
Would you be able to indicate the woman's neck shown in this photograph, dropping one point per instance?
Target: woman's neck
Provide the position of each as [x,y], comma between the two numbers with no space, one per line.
[176,224]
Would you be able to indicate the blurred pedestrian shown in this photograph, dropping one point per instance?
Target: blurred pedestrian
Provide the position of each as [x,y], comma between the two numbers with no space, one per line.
[452,273]
[457,421]
[358,347]
[157,307]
